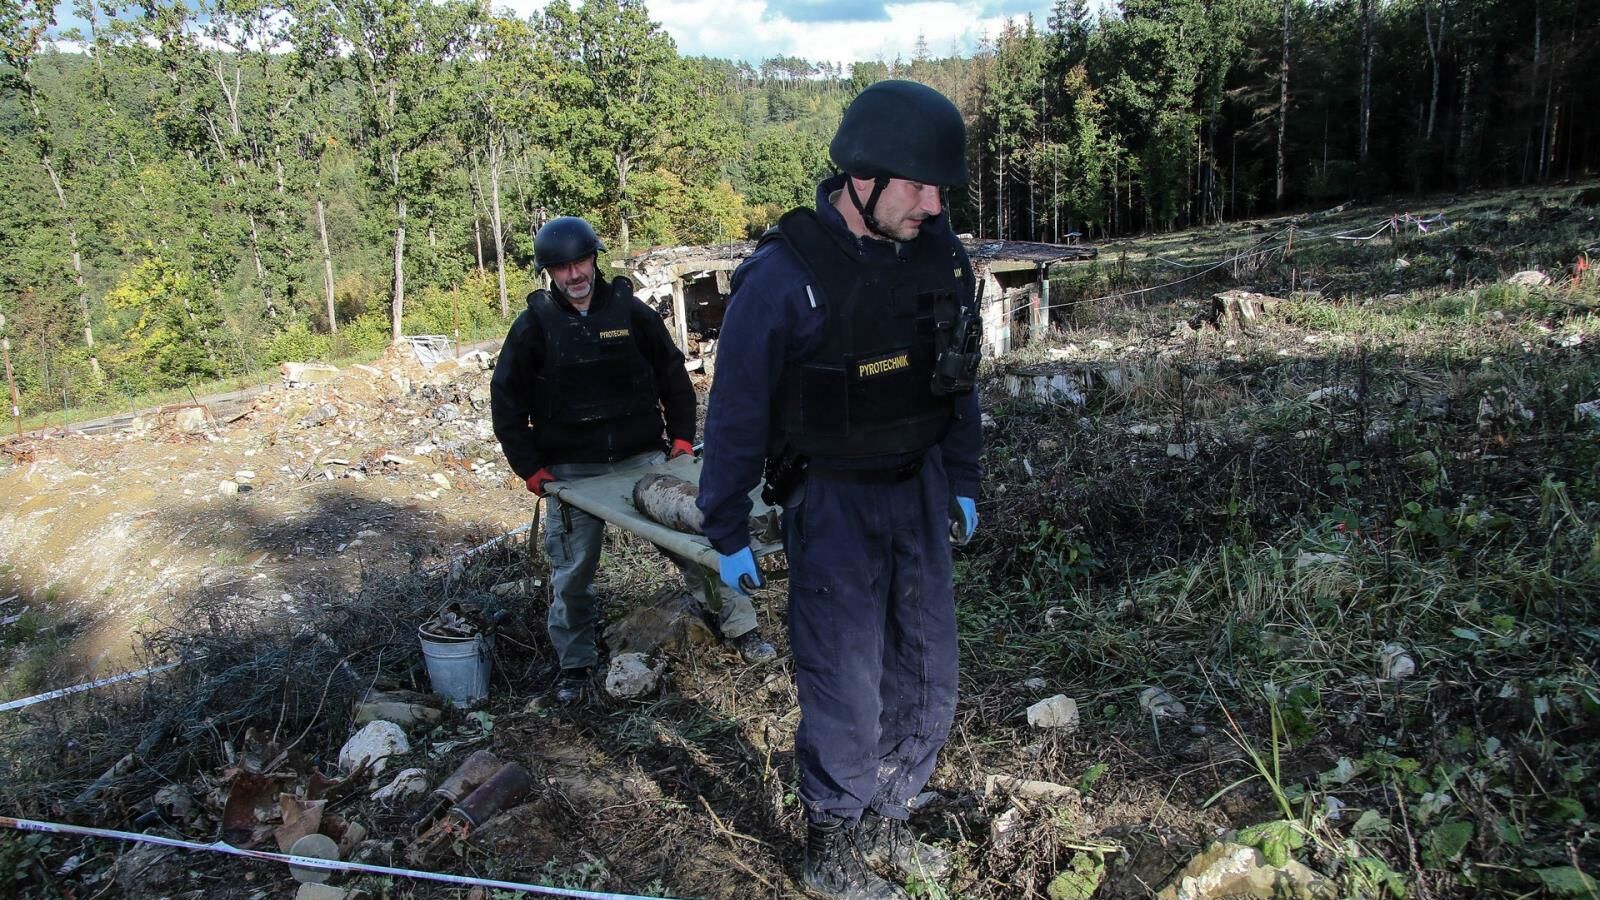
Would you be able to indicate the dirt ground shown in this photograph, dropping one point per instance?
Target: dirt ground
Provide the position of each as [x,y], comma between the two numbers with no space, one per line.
[275,513]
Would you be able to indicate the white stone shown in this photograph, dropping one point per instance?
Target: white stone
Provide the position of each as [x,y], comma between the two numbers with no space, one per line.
[632,676]
[376,742]
[409,783]
[1340,393]
[440,479]
[1183,451]
[227,488]
[1101,344]
[1308,558]
[1161,704]
[1006,827]
[1529,278]
[191,420]
[1589,411]
[1395,664]
[1059,711]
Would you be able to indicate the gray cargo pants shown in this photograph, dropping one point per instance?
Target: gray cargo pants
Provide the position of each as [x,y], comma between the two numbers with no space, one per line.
[572,538]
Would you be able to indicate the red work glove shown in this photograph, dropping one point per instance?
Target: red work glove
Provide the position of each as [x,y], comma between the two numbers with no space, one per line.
[680,447]
[538,480]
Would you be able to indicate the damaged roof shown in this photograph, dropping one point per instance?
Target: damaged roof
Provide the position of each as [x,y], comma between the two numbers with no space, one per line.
[985,252]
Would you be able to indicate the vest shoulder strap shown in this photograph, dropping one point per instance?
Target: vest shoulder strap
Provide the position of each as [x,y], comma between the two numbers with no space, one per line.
[832,268]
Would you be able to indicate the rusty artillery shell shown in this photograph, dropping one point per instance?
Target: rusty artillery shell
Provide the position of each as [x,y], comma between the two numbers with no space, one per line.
[669,500]
[503,790]
[478,768]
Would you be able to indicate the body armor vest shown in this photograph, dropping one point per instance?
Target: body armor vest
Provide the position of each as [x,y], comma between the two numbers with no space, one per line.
[868,390]
[594,372]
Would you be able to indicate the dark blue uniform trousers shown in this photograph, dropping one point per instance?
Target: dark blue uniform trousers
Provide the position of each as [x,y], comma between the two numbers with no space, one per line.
[872,626]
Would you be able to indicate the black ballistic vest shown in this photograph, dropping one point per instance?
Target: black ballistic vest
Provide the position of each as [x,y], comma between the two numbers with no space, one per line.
[868,390]
[595,383]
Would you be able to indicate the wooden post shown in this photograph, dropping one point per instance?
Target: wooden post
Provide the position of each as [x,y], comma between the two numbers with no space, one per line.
[680,312]
[1289,252]
[11,381]
[455,316]
[1041,305]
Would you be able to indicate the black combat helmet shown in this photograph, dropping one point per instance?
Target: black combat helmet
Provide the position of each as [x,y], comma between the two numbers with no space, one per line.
[902,129]
[563,240]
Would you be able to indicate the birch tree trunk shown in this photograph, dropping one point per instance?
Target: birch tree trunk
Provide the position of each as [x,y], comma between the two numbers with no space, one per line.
[1283,109]
[1434,42]
[622,161]
[398,308]
[1366,79]
[496,152]
[327,265]
[26,73]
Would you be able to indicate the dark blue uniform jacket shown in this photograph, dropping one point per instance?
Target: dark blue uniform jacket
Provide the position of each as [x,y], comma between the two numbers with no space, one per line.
[770,321]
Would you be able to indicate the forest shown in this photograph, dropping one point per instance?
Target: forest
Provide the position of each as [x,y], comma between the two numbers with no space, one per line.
[200,190]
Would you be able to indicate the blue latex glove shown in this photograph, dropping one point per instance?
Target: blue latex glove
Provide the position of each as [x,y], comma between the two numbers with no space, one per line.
[738,571]
[963,519]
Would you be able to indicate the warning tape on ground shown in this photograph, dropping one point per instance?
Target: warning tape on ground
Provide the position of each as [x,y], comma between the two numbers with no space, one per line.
[79,688]
[308,862]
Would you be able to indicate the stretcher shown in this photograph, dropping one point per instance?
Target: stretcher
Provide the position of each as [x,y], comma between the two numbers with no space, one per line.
[610,497]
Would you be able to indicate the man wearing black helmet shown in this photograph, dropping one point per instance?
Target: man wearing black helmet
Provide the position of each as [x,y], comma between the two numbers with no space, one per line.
[579,389]
[845,371]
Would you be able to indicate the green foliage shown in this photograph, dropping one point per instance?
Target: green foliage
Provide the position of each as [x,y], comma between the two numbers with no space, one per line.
[1059,557]
[1277,840]
[1079,880]
[172,331]
[1568,881]
[25,867]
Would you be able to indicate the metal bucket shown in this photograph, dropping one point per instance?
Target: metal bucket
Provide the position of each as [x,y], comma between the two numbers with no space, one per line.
[458,667]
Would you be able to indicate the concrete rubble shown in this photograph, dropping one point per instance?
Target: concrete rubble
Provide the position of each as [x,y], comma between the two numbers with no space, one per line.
[1059,711]
[372,746]
[631,676]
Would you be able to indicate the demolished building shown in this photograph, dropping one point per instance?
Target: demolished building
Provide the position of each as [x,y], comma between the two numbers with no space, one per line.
[690,287]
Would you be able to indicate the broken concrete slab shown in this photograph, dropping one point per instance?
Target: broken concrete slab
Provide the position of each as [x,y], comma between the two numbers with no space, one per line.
[1027,789]
[301,374]
[400,707]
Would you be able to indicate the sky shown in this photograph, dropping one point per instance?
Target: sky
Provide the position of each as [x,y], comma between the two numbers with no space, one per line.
[839,31]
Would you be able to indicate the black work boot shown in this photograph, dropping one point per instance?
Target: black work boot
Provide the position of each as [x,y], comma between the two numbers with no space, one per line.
[835,868]
[569,689]
[890,842]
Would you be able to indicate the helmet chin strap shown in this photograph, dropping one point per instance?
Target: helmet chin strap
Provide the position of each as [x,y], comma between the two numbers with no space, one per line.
[865,209]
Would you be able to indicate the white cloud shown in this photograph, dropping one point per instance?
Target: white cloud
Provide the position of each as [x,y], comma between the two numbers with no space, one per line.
[747,30]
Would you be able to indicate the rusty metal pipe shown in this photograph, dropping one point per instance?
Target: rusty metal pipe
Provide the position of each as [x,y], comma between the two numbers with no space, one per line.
[505,789]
